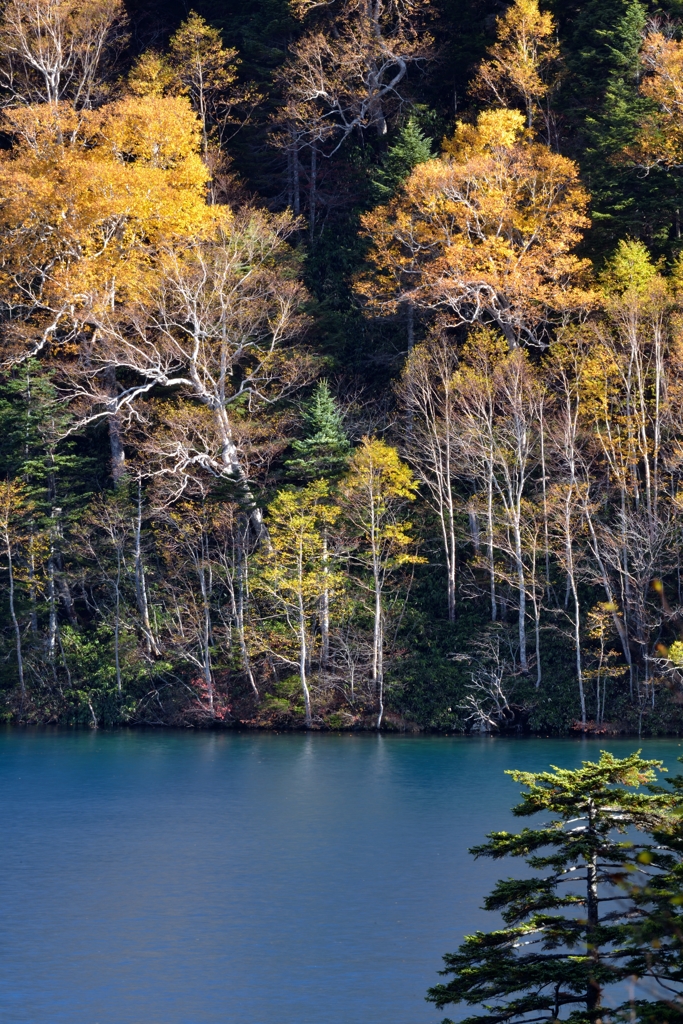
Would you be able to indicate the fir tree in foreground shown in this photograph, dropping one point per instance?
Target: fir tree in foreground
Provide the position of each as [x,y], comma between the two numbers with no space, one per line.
[605,860]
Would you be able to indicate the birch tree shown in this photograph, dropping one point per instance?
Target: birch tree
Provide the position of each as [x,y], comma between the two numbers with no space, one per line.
[523,63]
[214,325]
[295,572]
[431,439]
[54,51]
[485,234]
[375,494]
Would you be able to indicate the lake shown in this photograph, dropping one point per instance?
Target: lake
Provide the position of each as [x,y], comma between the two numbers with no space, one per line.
[184,878]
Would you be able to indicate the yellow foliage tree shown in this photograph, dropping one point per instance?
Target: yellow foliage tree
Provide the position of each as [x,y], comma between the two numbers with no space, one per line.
[294,574]
[89,199]
[376,491]
[523,63]
[205,69]
[660,139]
[485,233]
[200,67]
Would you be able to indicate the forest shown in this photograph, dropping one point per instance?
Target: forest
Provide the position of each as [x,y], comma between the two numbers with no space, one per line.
[342,364]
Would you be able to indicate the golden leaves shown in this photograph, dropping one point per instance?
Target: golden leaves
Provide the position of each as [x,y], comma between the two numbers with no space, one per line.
[489,227]
[523,63]
[90,195]
[660,138]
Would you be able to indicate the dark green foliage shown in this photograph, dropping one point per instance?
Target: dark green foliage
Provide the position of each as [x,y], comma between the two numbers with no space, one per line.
[411,148]
[325,449]
[568,931]
[599,109]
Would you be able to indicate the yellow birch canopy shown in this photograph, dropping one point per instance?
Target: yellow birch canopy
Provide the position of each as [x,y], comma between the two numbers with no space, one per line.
[90,196]
[484,232]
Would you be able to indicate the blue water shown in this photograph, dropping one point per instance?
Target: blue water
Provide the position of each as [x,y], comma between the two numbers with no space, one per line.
[172,878]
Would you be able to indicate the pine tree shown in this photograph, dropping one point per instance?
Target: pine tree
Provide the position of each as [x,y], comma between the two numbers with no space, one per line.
[412,147]
[568,931]
[657,932]
[601,101]
[325,450]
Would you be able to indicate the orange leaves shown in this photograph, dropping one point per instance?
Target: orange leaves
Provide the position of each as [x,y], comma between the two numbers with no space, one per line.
[485,232]
[90,196]
[159,131]
[661,133]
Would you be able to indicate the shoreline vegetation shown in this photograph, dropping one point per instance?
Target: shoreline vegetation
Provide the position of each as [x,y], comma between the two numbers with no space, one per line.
[341,365]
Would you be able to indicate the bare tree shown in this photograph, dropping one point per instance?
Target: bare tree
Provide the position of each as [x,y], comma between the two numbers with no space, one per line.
[431,440]
[212,326]
[486,705]
[59,50]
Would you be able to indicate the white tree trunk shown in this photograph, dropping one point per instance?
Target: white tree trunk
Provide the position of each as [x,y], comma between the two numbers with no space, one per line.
[140,582]
[15,621]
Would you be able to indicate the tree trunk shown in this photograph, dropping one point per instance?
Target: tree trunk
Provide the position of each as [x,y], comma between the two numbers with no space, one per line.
[117,621]
[231,461]
[312,191]
[140,582]
[32,592]
[206,610]
[52,608]
[489,542]
[241,593]
[15,621]
[118,455]
[451,557]
[521,588]
[296,181]
[544,480]
[378,652]
[594,992]
[325,610]
[303,657]
[577,649]
[410,325]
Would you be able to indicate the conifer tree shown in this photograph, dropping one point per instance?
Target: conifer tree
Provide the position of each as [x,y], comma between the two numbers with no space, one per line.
[601,100]
[568,930]
[412,147]
[657,932]
[325,450]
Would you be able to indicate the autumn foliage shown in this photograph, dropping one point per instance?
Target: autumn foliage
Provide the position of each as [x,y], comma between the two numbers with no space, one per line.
[485,233]
[323,406]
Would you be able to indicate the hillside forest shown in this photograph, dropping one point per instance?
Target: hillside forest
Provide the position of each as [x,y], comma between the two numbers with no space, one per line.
[342,364]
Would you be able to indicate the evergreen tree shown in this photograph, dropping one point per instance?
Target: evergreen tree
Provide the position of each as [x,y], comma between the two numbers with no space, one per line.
[411,148]
[325,449]
[57,480]
[568,932]
[603,107]
[657,934]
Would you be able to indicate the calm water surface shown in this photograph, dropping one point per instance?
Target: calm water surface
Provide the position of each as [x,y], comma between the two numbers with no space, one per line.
[164,878]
